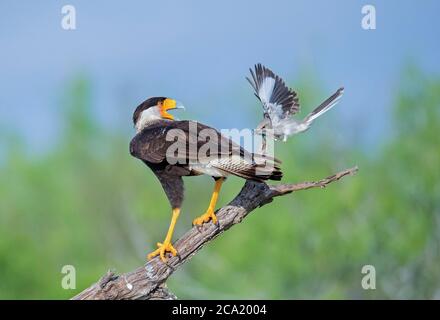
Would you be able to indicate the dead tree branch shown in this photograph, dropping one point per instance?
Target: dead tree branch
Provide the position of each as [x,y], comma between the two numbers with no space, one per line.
[149,281]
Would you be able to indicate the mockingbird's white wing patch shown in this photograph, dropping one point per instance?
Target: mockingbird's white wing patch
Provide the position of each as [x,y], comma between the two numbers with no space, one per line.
[278,100]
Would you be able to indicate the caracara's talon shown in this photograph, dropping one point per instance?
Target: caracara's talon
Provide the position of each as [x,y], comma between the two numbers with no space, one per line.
[208,215]
[163,248]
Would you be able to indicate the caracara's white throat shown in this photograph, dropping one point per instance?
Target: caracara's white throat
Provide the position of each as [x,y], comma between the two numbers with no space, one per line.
[147,117]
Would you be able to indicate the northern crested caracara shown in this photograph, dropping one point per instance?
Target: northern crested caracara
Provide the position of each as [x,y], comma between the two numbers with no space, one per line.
[153,145]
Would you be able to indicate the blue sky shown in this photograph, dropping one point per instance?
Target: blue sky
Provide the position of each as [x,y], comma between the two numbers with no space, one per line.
[199,53]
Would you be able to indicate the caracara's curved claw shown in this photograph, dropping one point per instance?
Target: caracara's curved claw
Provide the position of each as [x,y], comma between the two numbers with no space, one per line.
[208,215]
[163,248]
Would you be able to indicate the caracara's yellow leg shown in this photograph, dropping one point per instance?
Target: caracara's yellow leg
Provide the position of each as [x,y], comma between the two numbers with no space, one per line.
[166,246]
[209,214]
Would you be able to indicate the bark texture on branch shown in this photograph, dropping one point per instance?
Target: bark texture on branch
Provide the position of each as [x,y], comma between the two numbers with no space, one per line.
[148,281]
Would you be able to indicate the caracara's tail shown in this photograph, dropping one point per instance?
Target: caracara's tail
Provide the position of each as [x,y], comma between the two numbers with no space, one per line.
[259,168]
[267,168]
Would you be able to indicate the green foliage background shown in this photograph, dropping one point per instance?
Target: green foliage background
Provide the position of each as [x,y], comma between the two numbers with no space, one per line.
[87,203]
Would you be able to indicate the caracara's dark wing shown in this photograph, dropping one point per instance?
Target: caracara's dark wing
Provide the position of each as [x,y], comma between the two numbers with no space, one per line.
[194,144]
[278,100]
[181,142]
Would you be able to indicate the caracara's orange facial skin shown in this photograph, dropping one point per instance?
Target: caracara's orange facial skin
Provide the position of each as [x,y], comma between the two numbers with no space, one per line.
[166,105]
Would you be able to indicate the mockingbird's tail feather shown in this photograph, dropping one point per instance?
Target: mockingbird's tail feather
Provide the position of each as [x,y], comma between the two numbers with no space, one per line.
[324,107]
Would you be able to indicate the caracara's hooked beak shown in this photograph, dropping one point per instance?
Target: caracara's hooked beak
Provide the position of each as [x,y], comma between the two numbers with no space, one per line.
[169,104]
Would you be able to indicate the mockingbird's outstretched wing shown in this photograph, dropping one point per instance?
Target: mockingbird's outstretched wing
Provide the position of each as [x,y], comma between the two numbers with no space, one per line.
[279,102]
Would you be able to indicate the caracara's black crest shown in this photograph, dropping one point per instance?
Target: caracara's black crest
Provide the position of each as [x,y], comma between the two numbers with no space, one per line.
[150,102]
[277,99]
